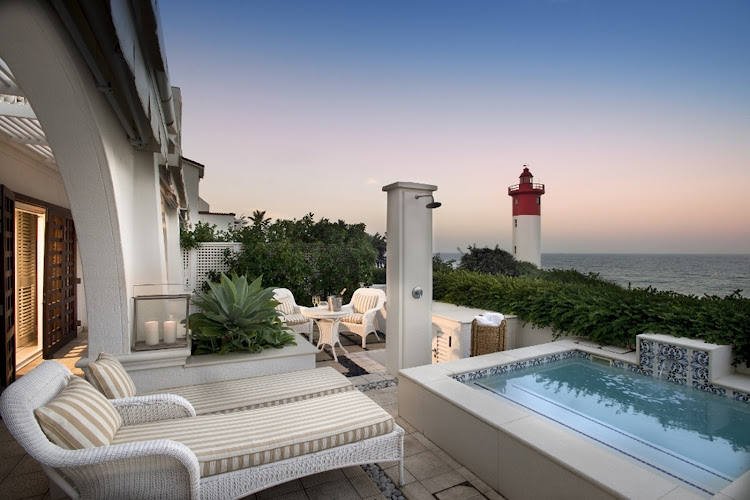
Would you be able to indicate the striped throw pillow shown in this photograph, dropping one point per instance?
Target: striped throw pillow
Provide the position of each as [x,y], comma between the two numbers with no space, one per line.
[286,305]
[79,417]
[363,303]
[108,375]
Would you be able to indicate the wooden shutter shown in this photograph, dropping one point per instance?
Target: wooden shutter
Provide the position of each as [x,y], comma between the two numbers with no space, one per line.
[60,314]
[26,275]
[8,306]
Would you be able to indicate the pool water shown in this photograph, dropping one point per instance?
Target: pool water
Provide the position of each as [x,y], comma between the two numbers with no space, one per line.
[700,439]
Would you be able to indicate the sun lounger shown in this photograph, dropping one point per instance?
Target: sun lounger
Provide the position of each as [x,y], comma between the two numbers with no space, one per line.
[108,375]
[93,447]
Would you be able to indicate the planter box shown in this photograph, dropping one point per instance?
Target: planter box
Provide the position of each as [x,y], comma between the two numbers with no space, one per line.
[162,369]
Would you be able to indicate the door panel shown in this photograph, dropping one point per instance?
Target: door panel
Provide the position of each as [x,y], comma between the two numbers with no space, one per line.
[60,313]
[8,306]
[26,279]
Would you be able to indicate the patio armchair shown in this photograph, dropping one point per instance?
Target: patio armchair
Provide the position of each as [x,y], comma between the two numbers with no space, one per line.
[155,447]
[366,302]
[291,311]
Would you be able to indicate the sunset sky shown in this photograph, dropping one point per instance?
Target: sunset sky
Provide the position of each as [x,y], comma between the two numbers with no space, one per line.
[634,114]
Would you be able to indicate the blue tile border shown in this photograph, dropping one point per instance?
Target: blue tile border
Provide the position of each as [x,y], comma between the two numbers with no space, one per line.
[690,367]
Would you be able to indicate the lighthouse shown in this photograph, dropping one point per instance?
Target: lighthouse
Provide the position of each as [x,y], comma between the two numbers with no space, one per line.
[527,218]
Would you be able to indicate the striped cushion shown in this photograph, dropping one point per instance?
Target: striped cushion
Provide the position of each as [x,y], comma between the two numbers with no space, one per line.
[237,440]
[109,376]
[353,318]
[295,319]
[364,302]
[79,417]
[286,305]
[257,392]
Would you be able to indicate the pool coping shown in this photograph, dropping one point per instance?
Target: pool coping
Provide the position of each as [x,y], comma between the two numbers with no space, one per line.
[586,465]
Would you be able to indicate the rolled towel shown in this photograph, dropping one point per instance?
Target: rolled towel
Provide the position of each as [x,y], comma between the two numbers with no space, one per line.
[482,321]
[494,318]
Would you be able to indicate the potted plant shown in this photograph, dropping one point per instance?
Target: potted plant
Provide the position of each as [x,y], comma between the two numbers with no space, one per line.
[237,316]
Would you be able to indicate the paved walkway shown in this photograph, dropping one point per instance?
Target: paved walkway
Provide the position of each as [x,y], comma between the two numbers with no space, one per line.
[430,473]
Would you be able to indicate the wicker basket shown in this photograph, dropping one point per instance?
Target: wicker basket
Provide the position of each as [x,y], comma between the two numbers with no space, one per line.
[487,339]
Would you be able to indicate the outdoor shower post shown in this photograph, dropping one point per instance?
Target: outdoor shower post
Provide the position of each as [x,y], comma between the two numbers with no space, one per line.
[409,275]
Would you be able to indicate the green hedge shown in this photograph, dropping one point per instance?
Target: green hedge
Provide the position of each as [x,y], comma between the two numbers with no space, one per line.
[571,303]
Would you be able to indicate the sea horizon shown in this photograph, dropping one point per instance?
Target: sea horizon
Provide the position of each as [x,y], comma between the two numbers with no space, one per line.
[686,273]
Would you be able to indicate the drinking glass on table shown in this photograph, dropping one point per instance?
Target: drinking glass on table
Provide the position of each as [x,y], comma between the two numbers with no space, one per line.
[315,300]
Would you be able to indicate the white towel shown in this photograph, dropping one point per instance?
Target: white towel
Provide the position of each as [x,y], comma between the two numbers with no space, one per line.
[489,319]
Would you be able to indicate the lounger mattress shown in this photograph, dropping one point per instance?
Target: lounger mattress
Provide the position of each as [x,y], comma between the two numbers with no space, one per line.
[267,390]
[232,441]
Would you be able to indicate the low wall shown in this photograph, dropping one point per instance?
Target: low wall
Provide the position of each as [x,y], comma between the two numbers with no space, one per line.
[166,368]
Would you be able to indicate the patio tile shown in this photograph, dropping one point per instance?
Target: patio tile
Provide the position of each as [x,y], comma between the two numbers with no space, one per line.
[422,439]
[406,426]
[27,465]
[379,496]
[373,377]
[364,486]
[412,445]
[392,473]
[493,495]
[459,492]
[280,490]
[425,465]
[354,471]
[473,479]
[443,481]
[25,485]
[324,477]
[415,491]
[8,464]
[297,495]
[336,490]
[449,460]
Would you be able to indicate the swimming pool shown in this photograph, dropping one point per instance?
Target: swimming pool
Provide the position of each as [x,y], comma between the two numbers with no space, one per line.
[522,454]
[697,438]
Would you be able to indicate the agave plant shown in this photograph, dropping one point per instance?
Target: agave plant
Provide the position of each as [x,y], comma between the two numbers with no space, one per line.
[236,316]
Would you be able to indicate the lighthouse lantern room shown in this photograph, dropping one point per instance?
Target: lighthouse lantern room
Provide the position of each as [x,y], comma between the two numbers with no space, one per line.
[527,223]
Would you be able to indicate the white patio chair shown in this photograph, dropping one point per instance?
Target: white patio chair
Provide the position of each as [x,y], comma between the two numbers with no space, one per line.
[292,316]
[366,302]
[155,447]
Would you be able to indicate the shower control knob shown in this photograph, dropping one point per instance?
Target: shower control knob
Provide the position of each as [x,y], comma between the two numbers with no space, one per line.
[417,292]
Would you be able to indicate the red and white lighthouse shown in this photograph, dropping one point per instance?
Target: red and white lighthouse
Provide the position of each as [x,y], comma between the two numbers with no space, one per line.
[527,218]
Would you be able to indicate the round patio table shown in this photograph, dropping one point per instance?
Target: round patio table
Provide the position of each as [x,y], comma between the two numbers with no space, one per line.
[328,325]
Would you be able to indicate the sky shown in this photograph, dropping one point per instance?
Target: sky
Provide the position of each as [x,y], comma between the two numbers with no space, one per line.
[634,114]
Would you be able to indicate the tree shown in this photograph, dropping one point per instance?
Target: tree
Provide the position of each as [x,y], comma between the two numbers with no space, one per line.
[490,261]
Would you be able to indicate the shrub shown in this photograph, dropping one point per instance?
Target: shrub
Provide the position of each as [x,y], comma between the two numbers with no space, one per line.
[571,303]
[236,316]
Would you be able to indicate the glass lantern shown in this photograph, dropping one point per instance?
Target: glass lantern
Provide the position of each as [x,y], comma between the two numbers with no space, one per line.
[160,317]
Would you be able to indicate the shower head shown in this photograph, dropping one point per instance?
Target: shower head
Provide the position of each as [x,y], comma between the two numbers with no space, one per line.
[433,204]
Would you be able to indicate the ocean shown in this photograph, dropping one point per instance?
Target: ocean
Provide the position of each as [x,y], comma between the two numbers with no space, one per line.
[695,274]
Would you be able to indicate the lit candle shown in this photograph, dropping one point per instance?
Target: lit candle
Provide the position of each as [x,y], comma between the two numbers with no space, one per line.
[170,332]
[152,332]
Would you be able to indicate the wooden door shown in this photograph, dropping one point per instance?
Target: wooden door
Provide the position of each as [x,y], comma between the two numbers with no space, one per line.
[60,313]
[8,306]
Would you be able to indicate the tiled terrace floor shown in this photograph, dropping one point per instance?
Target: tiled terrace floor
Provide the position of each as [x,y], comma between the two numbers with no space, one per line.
[430,473]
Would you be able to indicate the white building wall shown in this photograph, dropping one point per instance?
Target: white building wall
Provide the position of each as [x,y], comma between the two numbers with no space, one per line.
[223,222]
[527,238]
[112,188]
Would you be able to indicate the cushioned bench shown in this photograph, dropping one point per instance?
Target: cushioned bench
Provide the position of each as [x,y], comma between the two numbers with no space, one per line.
[108,375]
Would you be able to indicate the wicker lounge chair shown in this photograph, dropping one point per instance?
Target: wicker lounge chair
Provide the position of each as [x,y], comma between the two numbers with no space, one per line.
[292,316]
[366,302]
[154,446]
[109,376]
